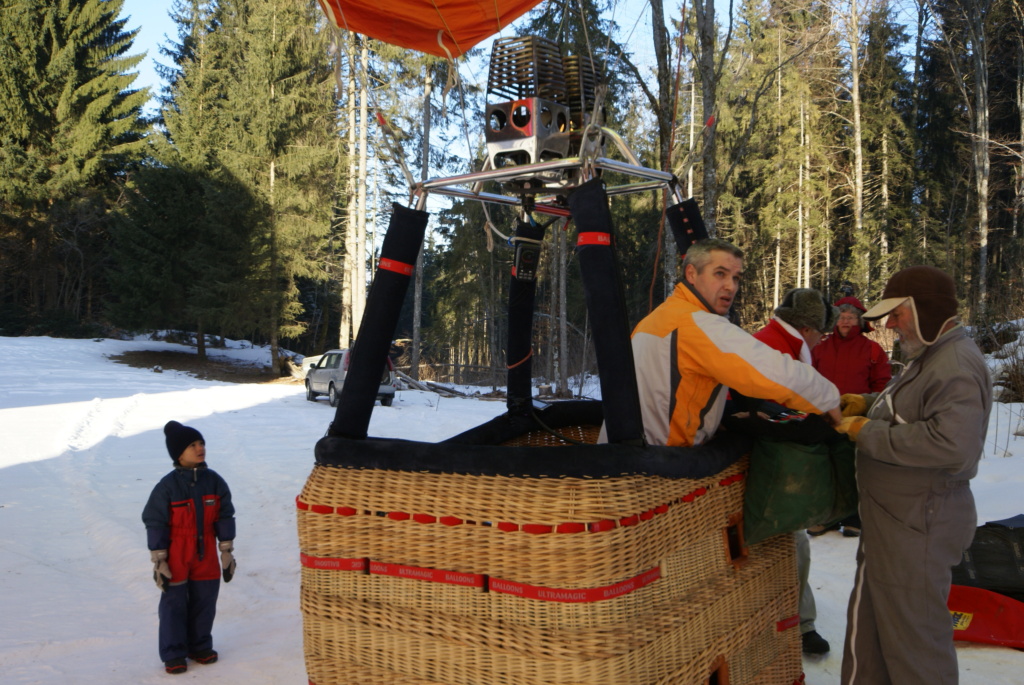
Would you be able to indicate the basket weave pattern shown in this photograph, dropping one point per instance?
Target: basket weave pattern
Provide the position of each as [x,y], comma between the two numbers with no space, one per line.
[663,599]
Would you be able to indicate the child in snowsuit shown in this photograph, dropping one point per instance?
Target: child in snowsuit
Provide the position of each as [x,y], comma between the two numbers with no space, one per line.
[188,512]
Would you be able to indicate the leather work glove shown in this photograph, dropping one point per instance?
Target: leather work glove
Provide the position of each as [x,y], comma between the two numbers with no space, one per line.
[161,571]
[852,404]
[851,425]
[227,559]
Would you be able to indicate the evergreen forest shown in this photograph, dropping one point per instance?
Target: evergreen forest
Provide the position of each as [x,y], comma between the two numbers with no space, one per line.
[834,141]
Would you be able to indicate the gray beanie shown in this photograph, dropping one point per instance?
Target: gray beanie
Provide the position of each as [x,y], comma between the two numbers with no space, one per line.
[178,437]
[806,307]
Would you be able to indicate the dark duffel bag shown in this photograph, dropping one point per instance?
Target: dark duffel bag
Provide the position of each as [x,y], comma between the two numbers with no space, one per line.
[995,560]
[801,474]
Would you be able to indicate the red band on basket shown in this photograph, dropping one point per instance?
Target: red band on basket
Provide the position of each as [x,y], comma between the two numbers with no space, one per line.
[690,496]
[574,595]
[567,527]
[332,564]
[594,238]
[787,623]
[729,480]
[431,574]
[479,580]
[397,267]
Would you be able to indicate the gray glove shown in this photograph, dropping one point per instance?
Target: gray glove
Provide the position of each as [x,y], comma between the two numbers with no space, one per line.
[161,571]
[227,559]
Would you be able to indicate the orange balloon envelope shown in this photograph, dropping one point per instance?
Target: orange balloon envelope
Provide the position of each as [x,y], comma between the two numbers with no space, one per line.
[426,25]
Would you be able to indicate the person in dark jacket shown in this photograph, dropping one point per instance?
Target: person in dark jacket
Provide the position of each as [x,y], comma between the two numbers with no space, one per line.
[918,446]
[188,512]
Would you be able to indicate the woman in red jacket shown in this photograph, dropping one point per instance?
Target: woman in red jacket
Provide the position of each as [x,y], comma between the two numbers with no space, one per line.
[856,365]
[848,359]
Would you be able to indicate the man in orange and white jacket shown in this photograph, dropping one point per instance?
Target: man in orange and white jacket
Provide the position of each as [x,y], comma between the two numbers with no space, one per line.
[688,354]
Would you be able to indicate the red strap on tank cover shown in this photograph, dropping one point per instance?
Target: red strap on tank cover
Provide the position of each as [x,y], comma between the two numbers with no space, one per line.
[594,238]
[397,267]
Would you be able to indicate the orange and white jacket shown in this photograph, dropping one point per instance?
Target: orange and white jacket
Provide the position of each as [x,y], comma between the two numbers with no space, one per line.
[688,357]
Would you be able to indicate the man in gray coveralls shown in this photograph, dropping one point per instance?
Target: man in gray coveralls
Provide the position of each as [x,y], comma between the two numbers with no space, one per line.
[918,445]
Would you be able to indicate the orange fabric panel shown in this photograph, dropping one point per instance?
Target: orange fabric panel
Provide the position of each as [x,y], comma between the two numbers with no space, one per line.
[415,24]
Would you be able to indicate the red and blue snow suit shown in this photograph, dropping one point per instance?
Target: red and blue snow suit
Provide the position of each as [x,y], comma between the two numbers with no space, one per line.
[188,511]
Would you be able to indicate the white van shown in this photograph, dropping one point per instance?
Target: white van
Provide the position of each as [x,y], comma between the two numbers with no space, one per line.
[327,375]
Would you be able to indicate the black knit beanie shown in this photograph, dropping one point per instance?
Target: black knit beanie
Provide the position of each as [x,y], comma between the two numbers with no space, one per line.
[178,437]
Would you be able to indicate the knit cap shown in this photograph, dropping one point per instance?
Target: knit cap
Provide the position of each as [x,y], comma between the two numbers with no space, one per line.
[806,307]
[931,294]
[178,437]
[852,301]
[855,303]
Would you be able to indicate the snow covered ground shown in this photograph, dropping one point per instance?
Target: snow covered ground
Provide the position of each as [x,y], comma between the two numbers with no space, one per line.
[81,446]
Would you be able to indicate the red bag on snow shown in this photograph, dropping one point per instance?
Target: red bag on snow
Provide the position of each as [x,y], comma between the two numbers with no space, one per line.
[984,616]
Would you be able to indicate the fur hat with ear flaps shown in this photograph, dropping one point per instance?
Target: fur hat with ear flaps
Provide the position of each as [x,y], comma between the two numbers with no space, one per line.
[806,307]
[931,294]
[178,437]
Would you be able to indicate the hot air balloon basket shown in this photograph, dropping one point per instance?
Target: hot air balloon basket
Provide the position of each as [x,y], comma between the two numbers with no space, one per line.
[424,576]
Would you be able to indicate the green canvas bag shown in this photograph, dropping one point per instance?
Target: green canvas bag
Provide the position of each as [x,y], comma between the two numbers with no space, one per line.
[791,486]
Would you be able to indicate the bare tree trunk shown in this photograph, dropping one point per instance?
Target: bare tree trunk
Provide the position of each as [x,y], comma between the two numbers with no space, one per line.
[200,341]
[922,19]
[883,238]
[663,112]
[980,146]
[493,335]
[693,124]
[858,148]
[776,295]
[776,298]
[275,308]
[359,262]
[706,29]
[806,139]
[345,332]
[1018,170]
[670,261]
[803,253]
[417,303]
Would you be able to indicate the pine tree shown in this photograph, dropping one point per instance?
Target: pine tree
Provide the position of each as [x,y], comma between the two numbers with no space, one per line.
[280,120]
[184,243]
[889,147]
[70,124]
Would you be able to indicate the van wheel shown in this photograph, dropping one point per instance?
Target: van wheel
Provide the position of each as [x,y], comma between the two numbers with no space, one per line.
[310,395]
[386,401]
[332,395]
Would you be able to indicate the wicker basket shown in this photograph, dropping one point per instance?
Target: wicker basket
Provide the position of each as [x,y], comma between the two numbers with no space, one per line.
[425,577]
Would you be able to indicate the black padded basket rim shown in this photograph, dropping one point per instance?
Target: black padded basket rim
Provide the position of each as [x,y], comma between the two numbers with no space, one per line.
[467,454]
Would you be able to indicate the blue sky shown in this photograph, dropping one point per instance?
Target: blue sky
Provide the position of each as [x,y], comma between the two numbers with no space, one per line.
[154,24]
